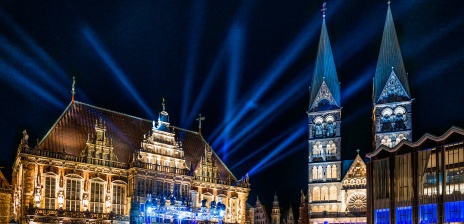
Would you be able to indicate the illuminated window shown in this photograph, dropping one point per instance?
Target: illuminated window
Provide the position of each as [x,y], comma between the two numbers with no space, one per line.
[316,194]
[334,171]
[50,192]
[329,172]
[73,195]
[386,141]
[96,197]
[333,193]
[319,172]
[118,199]
[314,173]
[324,193]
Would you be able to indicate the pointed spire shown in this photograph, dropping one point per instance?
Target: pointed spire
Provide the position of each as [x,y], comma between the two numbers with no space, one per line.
[73,90]
[390,59]
[324,69]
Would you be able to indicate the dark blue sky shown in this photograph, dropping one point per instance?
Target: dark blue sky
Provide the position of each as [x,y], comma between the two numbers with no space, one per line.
[247,64]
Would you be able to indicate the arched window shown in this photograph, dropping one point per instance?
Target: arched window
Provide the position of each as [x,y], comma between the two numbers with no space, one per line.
[386,120]
[97,198]
[50,191]
[316,194]
[324,193]
[399,138]
[331,149]
[73,193]
[118,198]
[319,172]
[329,172]
[314,209]
[334,171]
[333,193]
[318,127]
[386,141]
[317,149]
[399,118]
[314,173]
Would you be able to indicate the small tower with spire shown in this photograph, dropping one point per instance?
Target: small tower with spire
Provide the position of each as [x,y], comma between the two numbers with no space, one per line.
[392,102]
[275,216]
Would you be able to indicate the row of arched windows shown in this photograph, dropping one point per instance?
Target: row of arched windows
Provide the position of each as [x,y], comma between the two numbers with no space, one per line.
[355,182]
[330,149]
[73,198]
[393,119]
[330,172]
[325,193]
[324,208]
[387,141]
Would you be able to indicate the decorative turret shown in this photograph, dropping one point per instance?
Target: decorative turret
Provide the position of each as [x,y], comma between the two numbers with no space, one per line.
[275,210]
[163,119]
[392,114]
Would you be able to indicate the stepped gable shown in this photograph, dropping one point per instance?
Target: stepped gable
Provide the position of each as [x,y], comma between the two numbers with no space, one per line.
[71,131]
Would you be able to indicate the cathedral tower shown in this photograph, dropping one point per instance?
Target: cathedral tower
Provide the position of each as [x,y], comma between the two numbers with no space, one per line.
[392,120]
[324,117]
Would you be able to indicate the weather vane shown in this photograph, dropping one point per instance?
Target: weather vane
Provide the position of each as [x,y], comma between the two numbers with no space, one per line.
[164,108]
[73,90]
[199,119]
[323,9]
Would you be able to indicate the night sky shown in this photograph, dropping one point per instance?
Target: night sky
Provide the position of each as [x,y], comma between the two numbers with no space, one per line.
[244,65]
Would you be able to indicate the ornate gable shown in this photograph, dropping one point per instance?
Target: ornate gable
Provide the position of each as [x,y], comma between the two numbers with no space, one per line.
[324,95]
[356,175]
[98,145]
[393,90]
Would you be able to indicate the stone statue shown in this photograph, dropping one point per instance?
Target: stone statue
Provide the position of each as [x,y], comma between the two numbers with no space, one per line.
[25,138]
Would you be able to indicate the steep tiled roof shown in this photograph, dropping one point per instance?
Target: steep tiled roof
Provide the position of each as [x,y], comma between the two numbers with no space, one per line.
[71,130]
[389,56]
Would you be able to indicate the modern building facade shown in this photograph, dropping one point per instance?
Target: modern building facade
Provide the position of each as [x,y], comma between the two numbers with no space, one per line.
[418,182]
[330,196]
[99,166]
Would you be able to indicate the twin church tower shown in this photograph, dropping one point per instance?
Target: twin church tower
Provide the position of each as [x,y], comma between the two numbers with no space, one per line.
[391,114]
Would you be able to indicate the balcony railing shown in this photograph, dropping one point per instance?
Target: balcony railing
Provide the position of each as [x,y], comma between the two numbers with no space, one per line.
[64,214]
[156,167]
[73,158]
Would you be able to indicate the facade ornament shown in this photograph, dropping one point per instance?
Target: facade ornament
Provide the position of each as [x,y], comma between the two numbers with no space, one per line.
[24,140]
[60,199]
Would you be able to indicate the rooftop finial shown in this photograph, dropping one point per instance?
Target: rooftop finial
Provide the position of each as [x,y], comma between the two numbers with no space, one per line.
[357,150]
[392,68]
[199,119]
[164,106]
[389,2]
[73,89]
[323,9]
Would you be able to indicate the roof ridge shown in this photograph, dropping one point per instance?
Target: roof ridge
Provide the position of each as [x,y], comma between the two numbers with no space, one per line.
[112,111]
[453,129]
[56,122]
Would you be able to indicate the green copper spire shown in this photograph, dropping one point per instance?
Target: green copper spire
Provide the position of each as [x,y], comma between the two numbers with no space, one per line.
[325,88]
[390,81]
